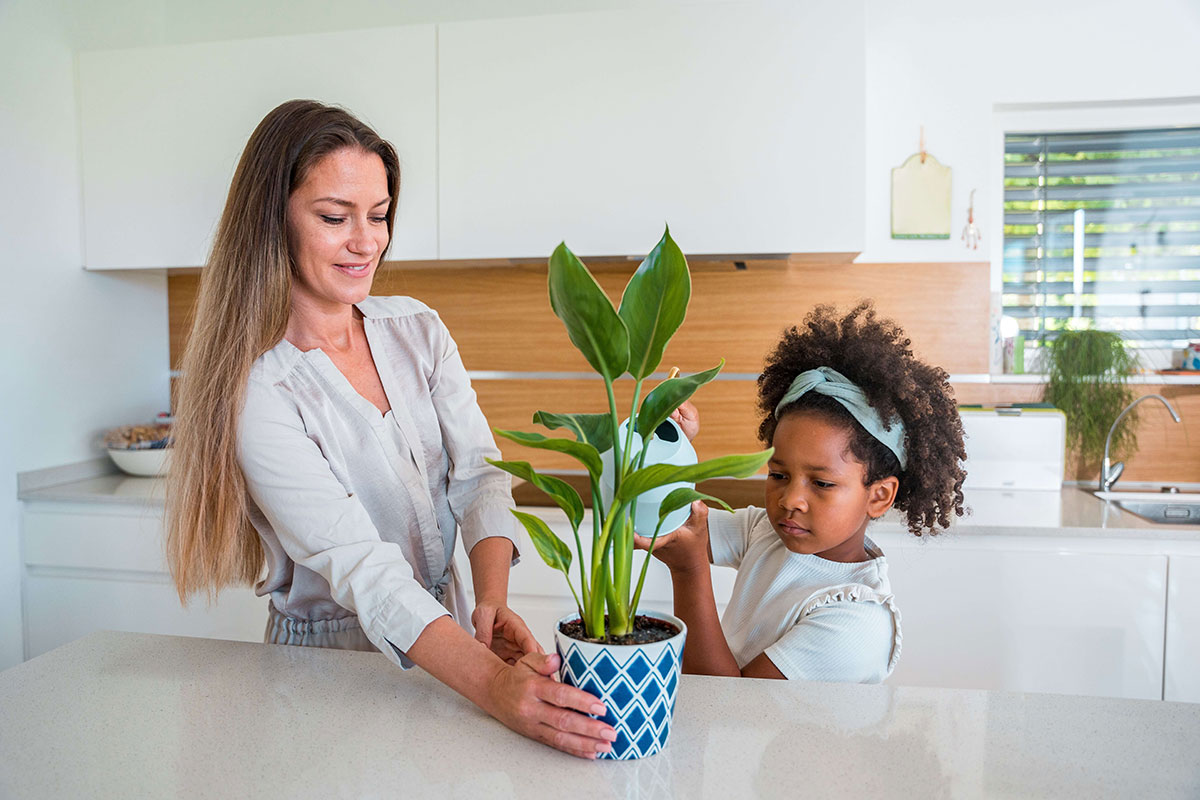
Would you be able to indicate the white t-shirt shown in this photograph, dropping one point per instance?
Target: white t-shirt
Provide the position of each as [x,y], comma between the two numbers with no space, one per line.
[815,619]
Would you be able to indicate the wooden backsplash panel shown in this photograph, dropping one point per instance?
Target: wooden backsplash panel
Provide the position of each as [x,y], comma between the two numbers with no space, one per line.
[500,316]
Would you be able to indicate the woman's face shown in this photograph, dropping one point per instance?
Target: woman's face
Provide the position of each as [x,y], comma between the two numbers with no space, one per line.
[337,227]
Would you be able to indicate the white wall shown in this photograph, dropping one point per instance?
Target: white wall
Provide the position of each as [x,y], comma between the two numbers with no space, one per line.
[946,64]
[85,351]
[81,351]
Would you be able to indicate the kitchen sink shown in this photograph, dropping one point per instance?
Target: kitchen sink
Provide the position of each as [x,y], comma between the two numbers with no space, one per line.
[1173,508]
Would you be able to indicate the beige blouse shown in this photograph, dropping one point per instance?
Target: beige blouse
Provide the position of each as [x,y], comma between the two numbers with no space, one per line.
[357,510]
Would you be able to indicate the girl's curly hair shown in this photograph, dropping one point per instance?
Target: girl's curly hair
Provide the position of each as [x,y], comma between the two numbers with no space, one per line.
[875,354]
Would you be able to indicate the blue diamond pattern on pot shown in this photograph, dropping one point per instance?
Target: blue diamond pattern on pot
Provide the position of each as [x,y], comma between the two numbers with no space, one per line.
[662,736]
[576,662]
[666,664]
[647,742]
[635,719]
[659,715]
[650,692]
[637,668]
[605,668]
[621,693]
[637,689]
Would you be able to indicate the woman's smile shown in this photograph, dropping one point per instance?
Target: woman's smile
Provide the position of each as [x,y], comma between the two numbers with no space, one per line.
[354,270]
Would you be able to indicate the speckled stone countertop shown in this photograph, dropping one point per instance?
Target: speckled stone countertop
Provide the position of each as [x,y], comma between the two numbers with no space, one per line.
[117,715]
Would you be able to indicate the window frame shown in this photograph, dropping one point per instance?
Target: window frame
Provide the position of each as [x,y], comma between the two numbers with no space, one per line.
[1073,117]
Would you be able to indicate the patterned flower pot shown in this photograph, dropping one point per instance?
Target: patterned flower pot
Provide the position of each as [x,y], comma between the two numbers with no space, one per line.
[636,682]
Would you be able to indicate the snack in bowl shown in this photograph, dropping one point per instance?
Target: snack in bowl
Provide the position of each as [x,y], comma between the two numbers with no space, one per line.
[143,450]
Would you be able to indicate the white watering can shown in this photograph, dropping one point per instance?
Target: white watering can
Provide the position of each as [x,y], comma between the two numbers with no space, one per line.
[668,445]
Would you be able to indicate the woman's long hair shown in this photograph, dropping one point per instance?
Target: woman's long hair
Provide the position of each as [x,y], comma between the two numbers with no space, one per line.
[242,312]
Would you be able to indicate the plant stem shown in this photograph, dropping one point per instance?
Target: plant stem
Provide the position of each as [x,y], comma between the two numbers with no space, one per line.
[616,426]
[637,595]
[583,584]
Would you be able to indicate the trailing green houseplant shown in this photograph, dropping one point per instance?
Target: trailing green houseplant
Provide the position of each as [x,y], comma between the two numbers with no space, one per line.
[628,340]
[1088,372]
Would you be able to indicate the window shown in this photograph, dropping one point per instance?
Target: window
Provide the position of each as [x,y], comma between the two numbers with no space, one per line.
[1103,229]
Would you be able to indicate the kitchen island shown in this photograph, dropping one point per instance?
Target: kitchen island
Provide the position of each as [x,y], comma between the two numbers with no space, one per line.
[1034,591]
[136,715]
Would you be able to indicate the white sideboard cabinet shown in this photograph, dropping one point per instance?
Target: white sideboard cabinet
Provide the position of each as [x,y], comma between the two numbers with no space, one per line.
[1027,616]
[162,129]
[740,125]
[93,567]
[1181,678]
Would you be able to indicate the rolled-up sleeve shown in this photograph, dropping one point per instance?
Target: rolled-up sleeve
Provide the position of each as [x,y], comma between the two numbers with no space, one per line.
[324,528]
[480,495]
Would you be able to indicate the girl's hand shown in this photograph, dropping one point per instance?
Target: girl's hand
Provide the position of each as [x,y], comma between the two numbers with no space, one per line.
[684,550]
[526,699]
[502,630]
[688,417]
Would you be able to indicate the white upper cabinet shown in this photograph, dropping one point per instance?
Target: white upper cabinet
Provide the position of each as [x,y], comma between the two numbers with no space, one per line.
[740,125]
[162,129]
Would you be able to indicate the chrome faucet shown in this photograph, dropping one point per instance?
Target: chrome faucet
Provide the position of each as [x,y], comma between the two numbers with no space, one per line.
[1110,472]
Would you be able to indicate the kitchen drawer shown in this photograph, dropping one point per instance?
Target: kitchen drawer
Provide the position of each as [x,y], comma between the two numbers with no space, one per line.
[60,609]
[93,539]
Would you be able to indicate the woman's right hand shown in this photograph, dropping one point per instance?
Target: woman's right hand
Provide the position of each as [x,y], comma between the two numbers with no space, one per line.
[525,698]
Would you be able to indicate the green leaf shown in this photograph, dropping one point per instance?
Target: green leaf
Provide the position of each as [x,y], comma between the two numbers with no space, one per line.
[559,490]
[595,429]
[652,477]
[683,496]
[654,305]
[595,328]
[668,396]
[553,550]
[585,453]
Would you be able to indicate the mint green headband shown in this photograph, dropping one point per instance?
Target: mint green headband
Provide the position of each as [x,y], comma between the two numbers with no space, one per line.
[830,382]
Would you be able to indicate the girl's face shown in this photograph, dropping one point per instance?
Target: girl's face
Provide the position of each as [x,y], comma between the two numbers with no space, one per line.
[337,227]
[816,499]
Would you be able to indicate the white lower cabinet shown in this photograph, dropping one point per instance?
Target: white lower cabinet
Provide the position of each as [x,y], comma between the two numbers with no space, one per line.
[1010,614]
[1182,673]
[1028,620]
[89,568]
[984,612]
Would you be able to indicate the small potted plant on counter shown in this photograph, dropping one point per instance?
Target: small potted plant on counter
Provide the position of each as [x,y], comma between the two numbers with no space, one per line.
[1088,373]
[631,661]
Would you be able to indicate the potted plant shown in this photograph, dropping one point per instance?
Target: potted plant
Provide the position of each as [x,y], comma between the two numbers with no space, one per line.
[630,661]
[1087,380]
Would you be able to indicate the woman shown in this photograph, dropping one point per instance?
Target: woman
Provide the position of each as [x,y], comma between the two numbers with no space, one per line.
[334,438]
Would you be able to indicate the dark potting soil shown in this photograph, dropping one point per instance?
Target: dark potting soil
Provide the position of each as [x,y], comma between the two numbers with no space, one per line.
[646,630]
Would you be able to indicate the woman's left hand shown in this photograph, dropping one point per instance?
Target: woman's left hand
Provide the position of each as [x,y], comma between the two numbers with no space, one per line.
[503,630]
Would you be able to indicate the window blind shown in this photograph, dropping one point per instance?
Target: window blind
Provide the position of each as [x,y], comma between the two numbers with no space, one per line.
[1103,229]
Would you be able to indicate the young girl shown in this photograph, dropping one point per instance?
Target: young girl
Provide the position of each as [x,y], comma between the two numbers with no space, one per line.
[859,426]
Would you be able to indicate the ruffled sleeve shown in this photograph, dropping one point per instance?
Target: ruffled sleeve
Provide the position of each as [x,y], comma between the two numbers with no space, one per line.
[846,634]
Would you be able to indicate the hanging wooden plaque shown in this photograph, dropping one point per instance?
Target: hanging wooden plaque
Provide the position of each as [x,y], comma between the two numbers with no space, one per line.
[921,199]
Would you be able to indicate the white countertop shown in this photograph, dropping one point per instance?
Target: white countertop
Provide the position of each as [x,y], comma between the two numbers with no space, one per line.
[131,715]
[1070,513]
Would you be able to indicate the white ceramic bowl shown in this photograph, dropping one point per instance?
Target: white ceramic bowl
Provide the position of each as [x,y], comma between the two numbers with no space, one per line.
[147,463]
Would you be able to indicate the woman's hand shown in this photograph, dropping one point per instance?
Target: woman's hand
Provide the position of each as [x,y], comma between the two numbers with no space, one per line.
[688,417]
[525,698]
[501,629]
[683,550]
